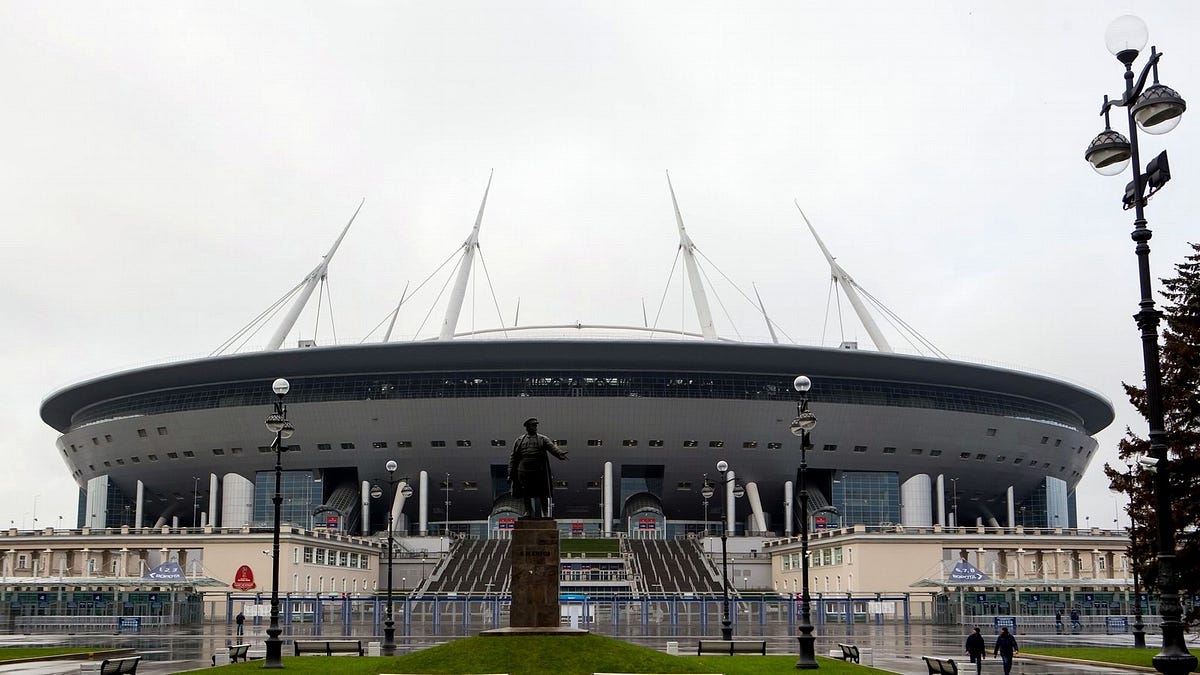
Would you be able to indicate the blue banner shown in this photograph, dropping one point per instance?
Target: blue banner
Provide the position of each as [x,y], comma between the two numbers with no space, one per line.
[965,572]
[168,571]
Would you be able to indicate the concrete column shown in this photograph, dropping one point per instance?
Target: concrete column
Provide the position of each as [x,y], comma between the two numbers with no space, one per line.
[365,497]
[756,511]
[1012,514]
[730,503]
[789,497]
[140,499]
[916,508]
[941,500]
[607,499]
[214,485]
[237,501]
[423,505]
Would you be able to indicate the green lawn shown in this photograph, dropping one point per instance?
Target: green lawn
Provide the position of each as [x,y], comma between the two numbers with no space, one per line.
[597,546]
[16,653]
[558,655]
[1123,655]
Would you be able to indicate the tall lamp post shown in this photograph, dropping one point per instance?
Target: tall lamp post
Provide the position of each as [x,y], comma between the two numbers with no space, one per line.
[803,423]
[707,492]
[277,423]
[1156,109]
[388,648]
[1139,628]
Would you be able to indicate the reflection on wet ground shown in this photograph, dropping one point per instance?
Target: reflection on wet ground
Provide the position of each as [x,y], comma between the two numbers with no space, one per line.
[893,647]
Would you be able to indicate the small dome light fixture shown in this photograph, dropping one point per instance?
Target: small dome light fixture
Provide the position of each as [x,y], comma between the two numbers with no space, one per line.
[1159,109]
[281,387]
[391,465]
[1126,33]
[802,384]
[1108,153]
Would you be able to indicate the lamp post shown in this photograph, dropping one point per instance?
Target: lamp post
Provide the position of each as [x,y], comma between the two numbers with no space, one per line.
[1156,109]
[1139,627]
[277,422]
[388,648]
[803,423]
[707,492]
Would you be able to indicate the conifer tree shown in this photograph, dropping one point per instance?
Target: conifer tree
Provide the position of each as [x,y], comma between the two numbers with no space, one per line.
[1179,360]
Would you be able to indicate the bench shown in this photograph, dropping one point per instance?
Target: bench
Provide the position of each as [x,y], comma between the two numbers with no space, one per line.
[732,647]
[849,653]
[119,666]
[328,647]
[940,666]
[236,652]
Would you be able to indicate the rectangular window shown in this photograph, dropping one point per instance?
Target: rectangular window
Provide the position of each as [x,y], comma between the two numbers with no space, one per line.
[108,464]
[980,457]
[463,443]
[1001,458]
[917,451]
[403,444]
[560,484]
[829,447]
[188,453]
[683,486]
[1017,460]
[654,443]
[935,453]
[121,462]
[347,446]
[716,444]
[265,448]
[320,556]
[324,446]
[594,485]
[690,444]
[774,446]
[889,450]
[860,448]
[1058,442]
[173,455]
[162,431]
[235,451]
[308,554]
[218,451]
[141,433]
[95,441]
[560,442]
[499,442]
[964,455]
[470,485]
[108,438]
[136,460]
[437,444]
[379,445]
[1045,440]
[991,432]
[750,445]
[629,443]
[595,442]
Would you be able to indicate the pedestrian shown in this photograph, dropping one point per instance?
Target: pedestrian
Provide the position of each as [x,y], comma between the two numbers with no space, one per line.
[240,619]
[1075,625]
[976,649]
[1058,624]
[1006,647]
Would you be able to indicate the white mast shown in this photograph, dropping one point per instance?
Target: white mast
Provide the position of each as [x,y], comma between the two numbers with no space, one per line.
[314,277]
[849,286]
[703,313]
[454,308]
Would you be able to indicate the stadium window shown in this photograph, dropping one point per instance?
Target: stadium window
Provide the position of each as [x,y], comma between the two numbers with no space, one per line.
[152,458]
[437,444]
[860,448]
[560,442]
[690,444]
[1045,465]
[95,441]
[347,446]
[917,451]
[218,451]
[716,444]
[235,451]
[629,443]
[750,445]
[265,448]
[594,485]
[463,443]
[774,446]
[470,485]
[446,485]
[935,453]
[991,432]
[683,486]
[1058,442]
[379,445]
[108,438]
[499,442]
[324,446]
[188,453]
[595,442]
[1062,469]
[162,431]
[1001,458]
[1017,460]
[964,455]
[142,433]
[829,447]
[136,460]
[403,444]
[108,464]
[173,455]
[120,462]
[560,484]
[889,450]
[1045,440]
[980,457]
[73,448]
[654,443]
[91,467]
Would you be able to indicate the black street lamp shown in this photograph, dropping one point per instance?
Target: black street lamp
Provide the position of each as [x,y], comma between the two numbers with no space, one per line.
[277,423]
[707,491]
[388,648]
[803,423]
[1156,109]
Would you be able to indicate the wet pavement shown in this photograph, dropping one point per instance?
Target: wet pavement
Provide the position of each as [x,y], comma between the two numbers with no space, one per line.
[895,648]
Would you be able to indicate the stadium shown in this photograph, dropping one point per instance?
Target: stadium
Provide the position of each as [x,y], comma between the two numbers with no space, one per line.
[645,415]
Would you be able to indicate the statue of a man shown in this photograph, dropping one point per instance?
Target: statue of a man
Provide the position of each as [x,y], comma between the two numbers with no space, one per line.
[529,469]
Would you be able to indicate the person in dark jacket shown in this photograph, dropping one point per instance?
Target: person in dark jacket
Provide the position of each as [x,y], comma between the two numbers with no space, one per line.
[240,619]
[1006,647]
[529,469]
[976,649]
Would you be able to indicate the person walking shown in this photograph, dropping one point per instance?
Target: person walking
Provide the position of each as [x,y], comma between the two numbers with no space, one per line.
[1058,624]
[1075,625]
[240,619]
[1006,647]
[976,649]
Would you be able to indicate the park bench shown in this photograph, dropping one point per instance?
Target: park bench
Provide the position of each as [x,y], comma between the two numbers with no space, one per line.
[236,652]
[328,647]
[732,647]
[940,666]
[120,666]
[849,653]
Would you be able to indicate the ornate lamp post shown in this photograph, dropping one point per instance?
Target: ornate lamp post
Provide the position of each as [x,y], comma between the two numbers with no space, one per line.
[277,422]
[1156,109]
[707,492]
[388,648]
[803,423]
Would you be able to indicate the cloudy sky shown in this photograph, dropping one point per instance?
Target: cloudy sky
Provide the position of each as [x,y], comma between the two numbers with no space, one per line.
[168,170]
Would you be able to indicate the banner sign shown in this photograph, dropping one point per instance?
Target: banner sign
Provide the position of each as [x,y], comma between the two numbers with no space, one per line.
[243,580]
[647,524]
[965,572]
[1009,622]
[168,571]
[506,523]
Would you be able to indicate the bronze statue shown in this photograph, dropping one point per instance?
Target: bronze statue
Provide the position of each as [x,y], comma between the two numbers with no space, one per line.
[529,469]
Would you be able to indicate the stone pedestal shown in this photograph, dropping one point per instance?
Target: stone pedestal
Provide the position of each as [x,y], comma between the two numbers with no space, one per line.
[535,571]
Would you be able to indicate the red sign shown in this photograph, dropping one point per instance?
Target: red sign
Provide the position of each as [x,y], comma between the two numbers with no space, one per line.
[506,523]
[331,521]
[244,579]
[577,527]
[647,524]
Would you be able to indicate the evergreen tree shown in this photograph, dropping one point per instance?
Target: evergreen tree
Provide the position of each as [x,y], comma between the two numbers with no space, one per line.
[1180,363]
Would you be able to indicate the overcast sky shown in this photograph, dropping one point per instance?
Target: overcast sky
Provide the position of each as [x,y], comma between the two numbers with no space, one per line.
[170,169]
